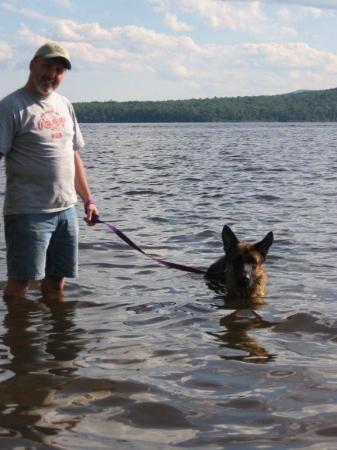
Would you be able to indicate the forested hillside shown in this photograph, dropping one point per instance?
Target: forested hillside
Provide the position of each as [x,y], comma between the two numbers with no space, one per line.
[311,106]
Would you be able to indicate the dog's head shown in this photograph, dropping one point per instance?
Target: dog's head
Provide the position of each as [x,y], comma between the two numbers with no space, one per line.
[244,264]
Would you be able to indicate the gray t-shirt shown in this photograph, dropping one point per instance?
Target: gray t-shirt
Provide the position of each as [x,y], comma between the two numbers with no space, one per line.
[38,136]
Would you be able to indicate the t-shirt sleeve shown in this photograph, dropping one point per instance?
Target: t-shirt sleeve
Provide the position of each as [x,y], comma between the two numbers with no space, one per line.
[6,129]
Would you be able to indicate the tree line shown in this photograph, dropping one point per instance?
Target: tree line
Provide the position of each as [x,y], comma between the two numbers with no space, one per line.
[301,106]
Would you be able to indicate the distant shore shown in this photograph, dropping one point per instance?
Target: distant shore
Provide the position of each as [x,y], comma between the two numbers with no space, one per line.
[299,106]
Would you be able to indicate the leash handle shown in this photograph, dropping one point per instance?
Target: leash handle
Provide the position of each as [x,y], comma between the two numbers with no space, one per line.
[133,245]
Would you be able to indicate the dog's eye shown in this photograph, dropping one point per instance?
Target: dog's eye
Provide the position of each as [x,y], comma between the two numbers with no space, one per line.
[238,262]
[252,262]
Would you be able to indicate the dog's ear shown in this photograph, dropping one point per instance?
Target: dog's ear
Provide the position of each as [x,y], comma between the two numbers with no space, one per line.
[263,246]
[228,238]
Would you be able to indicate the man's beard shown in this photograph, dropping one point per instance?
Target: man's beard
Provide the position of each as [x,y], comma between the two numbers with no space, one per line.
[44,86]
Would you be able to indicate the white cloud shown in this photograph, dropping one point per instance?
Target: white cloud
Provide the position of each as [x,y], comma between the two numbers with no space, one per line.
[282,31]
[284,14]
[135,38]
[331,66]
[173,23]
[170,19]
[30,37]
[315,12]
[173,69]
[274,65]
[5,51]
[68,4]
[271,56]
[74,31]
[266,68]
[236,16]
[84,52]
[214,68]
[27,12]
[325,4]
[88,53]
[160,5]
[182,71]
[137,49]
[240,16]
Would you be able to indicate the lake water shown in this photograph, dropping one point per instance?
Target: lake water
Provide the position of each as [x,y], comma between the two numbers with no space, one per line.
[144,357]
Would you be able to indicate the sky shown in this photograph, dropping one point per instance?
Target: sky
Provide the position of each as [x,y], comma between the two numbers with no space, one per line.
[174,49]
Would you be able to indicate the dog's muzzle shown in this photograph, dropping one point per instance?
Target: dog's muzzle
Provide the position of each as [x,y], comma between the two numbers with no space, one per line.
[245,280]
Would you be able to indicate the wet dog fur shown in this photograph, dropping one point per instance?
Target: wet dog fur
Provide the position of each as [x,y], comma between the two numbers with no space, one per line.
[241,270]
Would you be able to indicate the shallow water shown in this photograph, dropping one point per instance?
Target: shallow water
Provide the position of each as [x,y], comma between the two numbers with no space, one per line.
[145,357]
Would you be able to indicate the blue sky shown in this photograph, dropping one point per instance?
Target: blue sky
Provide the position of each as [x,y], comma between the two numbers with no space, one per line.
[174,49]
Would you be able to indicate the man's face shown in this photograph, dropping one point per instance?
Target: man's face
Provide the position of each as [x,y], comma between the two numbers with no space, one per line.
[46,74]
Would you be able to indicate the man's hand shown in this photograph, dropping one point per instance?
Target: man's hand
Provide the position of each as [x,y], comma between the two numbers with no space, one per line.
[92,213]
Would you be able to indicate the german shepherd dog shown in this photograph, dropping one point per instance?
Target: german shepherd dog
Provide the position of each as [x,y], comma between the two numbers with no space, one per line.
[241,271]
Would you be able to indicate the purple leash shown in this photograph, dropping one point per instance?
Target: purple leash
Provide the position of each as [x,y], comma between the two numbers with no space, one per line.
[172,265]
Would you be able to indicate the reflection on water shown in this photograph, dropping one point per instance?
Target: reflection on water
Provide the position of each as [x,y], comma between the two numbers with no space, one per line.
[144,357]
[42,345]
[237,326]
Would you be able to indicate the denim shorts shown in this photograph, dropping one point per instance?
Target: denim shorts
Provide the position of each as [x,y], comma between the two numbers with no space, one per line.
[40,245]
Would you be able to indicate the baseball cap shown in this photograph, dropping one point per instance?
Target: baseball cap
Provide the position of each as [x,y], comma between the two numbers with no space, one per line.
[54,50]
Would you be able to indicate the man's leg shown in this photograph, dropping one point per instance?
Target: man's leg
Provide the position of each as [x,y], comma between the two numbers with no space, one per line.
[27,239]
[62,255]
[16,288]
[52,288]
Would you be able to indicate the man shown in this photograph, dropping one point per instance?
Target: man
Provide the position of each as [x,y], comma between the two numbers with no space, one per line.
[40,139]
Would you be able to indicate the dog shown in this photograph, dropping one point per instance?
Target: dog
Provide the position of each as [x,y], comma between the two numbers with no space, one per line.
[241,270]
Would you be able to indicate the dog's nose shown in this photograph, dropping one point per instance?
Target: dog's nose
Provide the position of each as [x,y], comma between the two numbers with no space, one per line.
[245,279]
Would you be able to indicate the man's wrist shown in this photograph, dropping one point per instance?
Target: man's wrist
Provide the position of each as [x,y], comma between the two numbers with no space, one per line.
[89,201]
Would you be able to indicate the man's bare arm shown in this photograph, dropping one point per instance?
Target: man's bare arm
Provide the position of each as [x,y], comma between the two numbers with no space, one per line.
[83,190]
